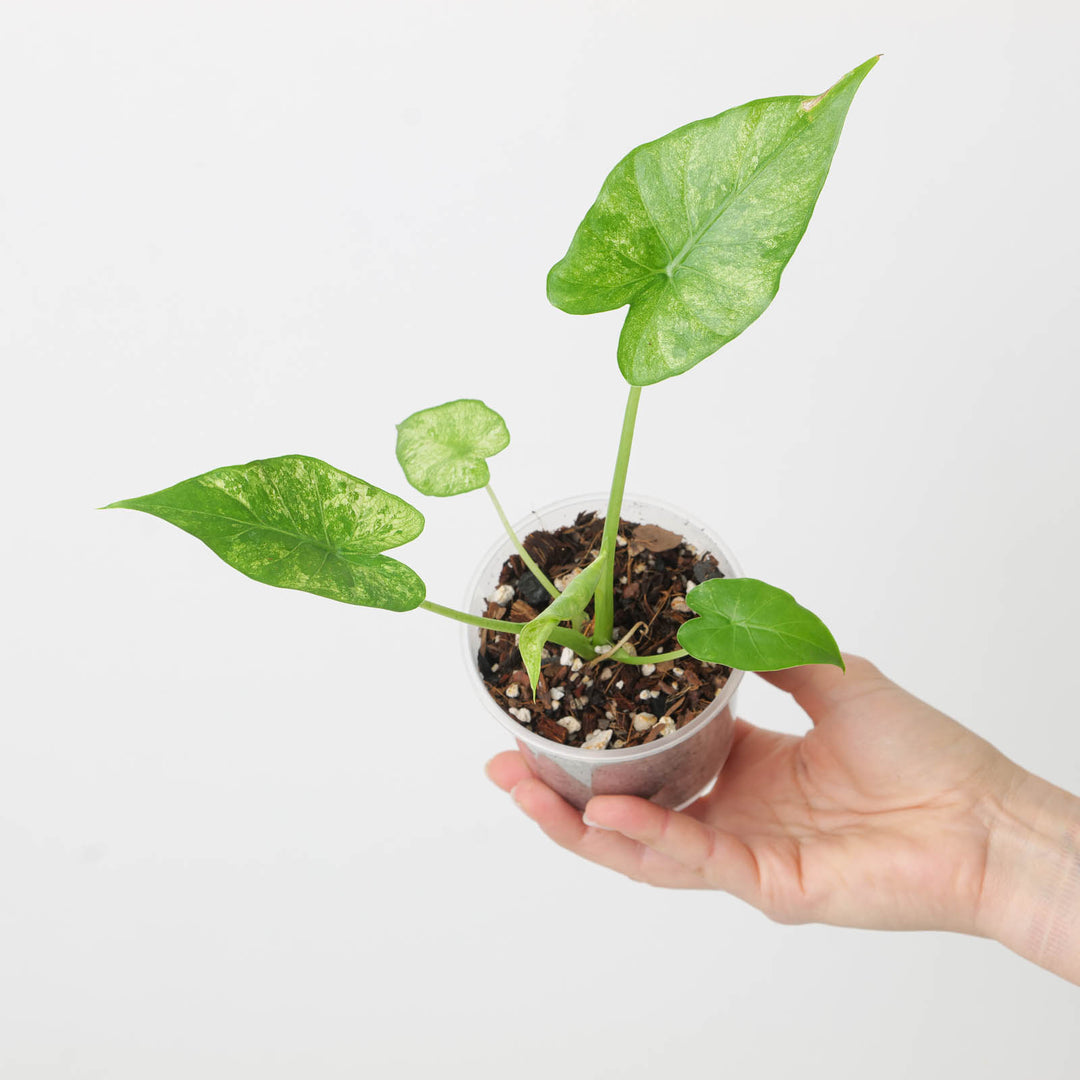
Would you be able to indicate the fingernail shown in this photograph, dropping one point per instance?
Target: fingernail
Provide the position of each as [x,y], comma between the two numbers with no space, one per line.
[595,824]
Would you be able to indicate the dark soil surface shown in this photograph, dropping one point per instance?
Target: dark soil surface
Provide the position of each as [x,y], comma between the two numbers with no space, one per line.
[578,700]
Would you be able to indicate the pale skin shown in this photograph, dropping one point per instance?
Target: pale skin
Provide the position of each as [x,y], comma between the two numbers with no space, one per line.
[886,815]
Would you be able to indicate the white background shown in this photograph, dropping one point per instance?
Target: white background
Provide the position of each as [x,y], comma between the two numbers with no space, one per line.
[233,842]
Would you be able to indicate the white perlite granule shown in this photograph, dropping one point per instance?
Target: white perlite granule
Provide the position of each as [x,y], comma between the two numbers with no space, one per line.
[598,740]
[502,595]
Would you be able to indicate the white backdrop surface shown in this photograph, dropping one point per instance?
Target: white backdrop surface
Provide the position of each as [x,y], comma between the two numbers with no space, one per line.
[229,845]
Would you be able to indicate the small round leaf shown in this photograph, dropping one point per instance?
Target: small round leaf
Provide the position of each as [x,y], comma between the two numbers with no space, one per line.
[443,449]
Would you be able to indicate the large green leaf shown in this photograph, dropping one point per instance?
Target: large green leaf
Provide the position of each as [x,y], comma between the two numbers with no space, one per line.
[694,229]
[298,523]
[442,449]
[750,625]
[535,633]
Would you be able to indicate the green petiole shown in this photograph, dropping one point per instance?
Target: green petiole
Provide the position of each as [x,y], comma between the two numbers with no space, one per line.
[604,601]
[621,657]
[519,547]
[560,635]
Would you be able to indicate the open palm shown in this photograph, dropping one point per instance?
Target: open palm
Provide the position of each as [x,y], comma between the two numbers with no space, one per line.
[877,817]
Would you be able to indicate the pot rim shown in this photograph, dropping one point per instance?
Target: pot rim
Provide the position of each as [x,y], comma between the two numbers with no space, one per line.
[550,747]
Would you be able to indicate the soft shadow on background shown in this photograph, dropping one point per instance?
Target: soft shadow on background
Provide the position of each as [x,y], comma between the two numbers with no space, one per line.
[245,832]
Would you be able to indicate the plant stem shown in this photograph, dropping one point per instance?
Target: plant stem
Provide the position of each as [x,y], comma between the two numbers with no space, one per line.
[582,646]
[560,635]
[519,547]
[473,620]
[604,601]
[658,658]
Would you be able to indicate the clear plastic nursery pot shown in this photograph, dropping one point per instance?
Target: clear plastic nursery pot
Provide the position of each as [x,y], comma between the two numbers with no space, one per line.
[671,771]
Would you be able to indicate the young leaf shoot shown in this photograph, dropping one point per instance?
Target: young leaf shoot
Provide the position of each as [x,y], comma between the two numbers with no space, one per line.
[569,605]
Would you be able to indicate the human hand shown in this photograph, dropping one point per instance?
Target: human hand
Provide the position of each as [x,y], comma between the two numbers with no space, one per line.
[880,816]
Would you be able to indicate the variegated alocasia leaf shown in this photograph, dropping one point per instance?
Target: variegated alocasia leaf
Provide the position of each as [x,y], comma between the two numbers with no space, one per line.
[298,523]
[747,624]
[694,229]
[443,449]
[572,601]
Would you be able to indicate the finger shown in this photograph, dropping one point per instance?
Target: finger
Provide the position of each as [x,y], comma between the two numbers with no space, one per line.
[817,688]
[507,769]
[718,858]
[563,824]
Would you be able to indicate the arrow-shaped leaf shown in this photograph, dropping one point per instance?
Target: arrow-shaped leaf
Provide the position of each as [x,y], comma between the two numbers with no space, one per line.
[443,449]
[694,229]
[572,601]
[747,624]
[298,523]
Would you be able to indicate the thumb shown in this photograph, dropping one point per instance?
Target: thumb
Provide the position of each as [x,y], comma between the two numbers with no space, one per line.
[820,688]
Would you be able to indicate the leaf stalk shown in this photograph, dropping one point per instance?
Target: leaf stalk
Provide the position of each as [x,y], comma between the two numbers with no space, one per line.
[604,601]
[519,547]
[657,658]
[560,635]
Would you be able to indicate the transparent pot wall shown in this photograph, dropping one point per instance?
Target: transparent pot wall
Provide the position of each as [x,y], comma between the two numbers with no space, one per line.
[671,771]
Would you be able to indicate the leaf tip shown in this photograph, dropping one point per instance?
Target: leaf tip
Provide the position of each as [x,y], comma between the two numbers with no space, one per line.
[862,70]
[835,657]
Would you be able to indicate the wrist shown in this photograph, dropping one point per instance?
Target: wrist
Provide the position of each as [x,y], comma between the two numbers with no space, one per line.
[1031,887]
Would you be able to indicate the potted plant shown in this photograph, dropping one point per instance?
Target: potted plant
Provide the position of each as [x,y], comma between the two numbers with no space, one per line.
[610,634]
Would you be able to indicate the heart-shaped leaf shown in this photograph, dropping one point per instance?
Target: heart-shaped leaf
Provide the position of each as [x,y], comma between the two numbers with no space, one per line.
[572,601]
[298,523]
[694,229]
[747,624]
[442,449]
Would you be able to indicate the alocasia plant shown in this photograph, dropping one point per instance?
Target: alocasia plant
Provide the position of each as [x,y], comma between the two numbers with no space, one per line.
[692,231]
